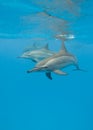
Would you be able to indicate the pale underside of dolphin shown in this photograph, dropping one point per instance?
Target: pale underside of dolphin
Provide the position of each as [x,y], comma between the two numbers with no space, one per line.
[37,54]
[55,63]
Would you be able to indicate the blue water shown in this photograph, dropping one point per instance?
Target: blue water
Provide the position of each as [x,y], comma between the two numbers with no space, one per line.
[31,101]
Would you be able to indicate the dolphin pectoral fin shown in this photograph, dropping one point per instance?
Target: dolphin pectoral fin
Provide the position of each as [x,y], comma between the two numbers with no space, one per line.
[59,72]
[48,74]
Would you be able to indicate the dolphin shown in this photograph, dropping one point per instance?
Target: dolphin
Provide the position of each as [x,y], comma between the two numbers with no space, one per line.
[37,54]
[56,62]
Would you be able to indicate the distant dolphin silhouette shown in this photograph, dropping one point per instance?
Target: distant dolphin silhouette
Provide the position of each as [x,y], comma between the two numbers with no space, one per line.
[37,54]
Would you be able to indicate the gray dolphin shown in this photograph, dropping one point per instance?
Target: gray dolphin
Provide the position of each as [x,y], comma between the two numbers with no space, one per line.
[56,62]
[37,54]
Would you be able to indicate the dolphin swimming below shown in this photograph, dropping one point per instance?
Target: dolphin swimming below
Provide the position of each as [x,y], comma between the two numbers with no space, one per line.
[56,62]
[37,54]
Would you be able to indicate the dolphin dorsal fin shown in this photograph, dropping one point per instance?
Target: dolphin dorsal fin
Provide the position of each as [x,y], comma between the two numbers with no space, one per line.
[63,48]
[46,46]
[34,44]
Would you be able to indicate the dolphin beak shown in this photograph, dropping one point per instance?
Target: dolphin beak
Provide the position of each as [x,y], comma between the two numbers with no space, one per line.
[33,70]
[36,69]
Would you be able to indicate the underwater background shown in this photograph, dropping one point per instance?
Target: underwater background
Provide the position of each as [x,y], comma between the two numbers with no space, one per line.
[32,101]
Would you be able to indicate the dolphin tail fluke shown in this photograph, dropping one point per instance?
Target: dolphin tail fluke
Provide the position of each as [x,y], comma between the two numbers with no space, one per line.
[48,74]
[78,68]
